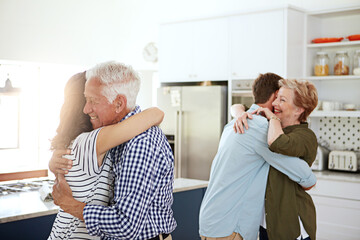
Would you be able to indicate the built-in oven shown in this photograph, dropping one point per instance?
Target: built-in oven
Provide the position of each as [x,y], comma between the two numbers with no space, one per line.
[241,92]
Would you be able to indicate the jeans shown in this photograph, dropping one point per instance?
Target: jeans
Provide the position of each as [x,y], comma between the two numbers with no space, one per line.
[263,235]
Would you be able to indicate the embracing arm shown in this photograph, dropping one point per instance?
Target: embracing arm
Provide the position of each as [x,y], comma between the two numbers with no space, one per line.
[275,128]
[63,197]
[238,112]
[295,168]
[107,138]
[116,134]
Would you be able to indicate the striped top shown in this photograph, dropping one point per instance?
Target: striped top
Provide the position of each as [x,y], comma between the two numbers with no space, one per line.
[89,183]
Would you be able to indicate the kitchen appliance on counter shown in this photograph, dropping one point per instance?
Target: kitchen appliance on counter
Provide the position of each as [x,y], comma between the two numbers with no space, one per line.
[194,119]
[344,161]
[321,160]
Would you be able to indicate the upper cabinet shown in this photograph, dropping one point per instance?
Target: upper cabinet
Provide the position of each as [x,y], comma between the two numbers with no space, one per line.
[194,51]
[268,41]
[234,47]
[257,44]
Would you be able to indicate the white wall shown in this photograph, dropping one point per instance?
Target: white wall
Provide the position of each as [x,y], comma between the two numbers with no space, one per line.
[85,32]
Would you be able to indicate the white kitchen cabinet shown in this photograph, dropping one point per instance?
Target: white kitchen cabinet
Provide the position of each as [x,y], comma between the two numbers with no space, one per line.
[174,54]
[337,200]
[194,51]
[266,41]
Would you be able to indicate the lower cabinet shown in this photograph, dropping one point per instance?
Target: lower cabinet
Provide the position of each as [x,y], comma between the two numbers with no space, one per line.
[186,209]
[337,205]
[33,228]
[337,218]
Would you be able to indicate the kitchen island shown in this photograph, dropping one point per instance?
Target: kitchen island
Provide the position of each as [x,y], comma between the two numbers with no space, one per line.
[26,211]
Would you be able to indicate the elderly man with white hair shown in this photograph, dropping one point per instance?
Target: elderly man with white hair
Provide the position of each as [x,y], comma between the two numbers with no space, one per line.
[143,167]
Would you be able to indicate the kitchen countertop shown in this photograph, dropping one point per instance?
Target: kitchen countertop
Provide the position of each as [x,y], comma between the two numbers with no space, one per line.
[24,205]
[186,184]
[338,176]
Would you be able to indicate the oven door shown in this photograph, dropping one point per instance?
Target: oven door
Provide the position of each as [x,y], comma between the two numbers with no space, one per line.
[244,97]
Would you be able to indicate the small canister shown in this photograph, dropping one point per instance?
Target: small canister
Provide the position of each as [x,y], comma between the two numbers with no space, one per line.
[356,65]
[341,63]
[321,67]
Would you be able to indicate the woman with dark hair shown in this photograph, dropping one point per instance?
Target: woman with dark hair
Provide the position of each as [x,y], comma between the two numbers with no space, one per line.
[90,177]
[289,210]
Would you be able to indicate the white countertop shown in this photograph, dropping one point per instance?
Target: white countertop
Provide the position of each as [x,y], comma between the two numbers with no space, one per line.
[186,184]
[18,206]
[338,176]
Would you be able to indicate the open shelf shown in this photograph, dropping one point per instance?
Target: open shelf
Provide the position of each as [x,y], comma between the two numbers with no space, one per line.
[333,77]
[333,44]
[335,114]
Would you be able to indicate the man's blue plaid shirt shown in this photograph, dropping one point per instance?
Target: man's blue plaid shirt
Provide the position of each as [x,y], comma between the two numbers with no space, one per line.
[141,207]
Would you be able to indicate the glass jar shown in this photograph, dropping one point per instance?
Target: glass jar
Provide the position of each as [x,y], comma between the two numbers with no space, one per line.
[321,67]
[356,65]
[341,63]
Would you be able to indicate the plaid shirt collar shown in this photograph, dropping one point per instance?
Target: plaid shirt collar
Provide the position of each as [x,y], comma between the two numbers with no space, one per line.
[132,113]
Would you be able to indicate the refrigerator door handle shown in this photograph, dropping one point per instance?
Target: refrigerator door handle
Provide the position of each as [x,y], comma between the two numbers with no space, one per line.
[177,161]
[180,143]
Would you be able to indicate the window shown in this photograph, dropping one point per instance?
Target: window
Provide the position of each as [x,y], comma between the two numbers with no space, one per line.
[29,118]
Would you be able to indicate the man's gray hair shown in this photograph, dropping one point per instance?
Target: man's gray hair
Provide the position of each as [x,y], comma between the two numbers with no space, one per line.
[118,79]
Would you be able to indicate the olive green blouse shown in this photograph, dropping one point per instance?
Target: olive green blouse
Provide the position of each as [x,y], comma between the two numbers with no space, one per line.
[286,200]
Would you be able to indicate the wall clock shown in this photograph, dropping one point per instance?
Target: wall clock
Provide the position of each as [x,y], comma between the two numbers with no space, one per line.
[150,52]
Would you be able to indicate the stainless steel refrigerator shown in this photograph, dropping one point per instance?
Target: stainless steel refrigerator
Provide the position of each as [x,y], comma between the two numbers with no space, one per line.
[193,122]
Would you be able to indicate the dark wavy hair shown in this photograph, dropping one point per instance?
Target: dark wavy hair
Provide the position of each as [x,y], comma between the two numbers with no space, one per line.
[72,119]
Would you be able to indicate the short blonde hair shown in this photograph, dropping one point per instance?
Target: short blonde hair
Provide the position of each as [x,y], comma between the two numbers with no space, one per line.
[305,95]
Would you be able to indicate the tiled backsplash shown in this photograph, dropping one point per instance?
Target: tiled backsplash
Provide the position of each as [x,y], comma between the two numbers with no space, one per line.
[340,133]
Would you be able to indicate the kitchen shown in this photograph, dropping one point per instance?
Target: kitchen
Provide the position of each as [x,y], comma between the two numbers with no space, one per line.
[62,45]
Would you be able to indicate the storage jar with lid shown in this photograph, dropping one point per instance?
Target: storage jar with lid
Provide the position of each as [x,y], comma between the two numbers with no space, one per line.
[341,63]
[356,65]
[321,67]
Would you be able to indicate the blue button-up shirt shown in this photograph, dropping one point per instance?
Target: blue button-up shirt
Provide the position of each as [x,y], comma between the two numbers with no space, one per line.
[144,174]
[234,199]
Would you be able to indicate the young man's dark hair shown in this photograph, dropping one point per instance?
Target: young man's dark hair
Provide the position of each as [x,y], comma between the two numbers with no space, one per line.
[264,86]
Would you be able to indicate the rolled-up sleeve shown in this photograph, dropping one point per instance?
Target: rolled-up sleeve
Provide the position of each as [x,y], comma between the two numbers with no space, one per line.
[295,168]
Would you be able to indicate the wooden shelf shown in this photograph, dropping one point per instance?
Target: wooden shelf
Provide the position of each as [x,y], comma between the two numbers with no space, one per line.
[335,114]
[332,77]
[333,44]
